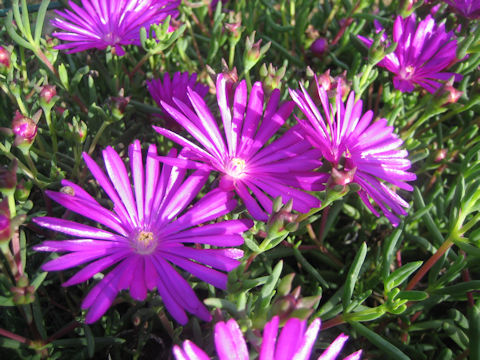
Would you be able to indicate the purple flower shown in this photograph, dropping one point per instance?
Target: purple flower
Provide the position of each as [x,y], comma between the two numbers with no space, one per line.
[175,87]
[248,162]
[358,150]
[146,232]
[422,53]
[467,8]
[295,342]
[102,23]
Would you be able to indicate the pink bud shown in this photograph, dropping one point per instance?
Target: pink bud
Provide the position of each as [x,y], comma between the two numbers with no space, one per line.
[5,228]
[319,47]
[48,92]
[24,128]
[440,155]
[4,57]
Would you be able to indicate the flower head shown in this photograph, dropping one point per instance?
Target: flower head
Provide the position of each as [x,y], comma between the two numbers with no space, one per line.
[25,130]
[5,224]
[4,58]
[467,8]
[247,161]
[101,23]
[145,234]
[359,151]
[423,51]
[175,87]
[295,342]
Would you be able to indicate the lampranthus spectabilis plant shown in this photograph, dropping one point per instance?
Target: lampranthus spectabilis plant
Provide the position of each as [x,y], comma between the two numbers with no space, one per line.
[146,232]
[422,54]
[98,24]
[360,151]
[246,161]
[175,87]
[296,341]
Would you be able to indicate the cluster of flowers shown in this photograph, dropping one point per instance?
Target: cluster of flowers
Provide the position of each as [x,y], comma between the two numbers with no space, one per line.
[153,220]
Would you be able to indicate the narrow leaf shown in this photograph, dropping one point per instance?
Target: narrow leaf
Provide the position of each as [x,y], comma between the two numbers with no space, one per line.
[352,275]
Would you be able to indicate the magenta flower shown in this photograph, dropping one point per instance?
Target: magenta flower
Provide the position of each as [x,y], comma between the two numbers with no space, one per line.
[102,23]
[467,8]
[247,161]
[295,342]
[359,151]
[423,52]
[175,87]
[144,234]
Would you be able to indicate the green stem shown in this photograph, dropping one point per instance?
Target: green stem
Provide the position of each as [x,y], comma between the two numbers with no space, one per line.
[53,133]
[97,136]
[31,164]
[11,205]
[231,55]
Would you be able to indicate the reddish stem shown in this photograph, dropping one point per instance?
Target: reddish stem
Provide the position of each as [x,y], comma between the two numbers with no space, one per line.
[13,336]
[63,331]
[337,320]
[430,262]
[466,277]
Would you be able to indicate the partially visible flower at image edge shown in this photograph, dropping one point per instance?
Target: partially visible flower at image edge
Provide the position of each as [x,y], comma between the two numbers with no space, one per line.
[467,8]
[359,151]
[175,87]
[146,232]
[101,23]
[295,342]
[423,51]
[244,156]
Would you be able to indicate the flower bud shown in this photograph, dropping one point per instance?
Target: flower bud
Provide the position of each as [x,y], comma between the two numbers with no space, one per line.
[271,77]
[22,192]
[253,51]
[47,93]
[8,178]
[5,225]
[234,26]
[319,47]
[4,59]
[440,155]
[25,130]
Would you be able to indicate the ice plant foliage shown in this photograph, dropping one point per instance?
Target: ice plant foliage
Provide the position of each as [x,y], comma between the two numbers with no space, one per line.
[295,342]
[146,232]
[467,8]
[175,87]
[422,54]
[101,23]
[360,151]
[245,159]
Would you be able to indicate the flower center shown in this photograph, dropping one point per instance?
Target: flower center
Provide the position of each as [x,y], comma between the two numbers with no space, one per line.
[144,242]
[236,168]
[408,72]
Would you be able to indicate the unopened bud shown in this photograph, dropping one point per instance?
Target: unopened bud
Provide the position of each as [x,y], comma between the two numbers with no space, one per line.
[48,92]
[8,178]
[5,226]
[452,94]
[22,191]
[25,130]
[440,155]
[253,51]
[119,104]
[4,58]
[319,47]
